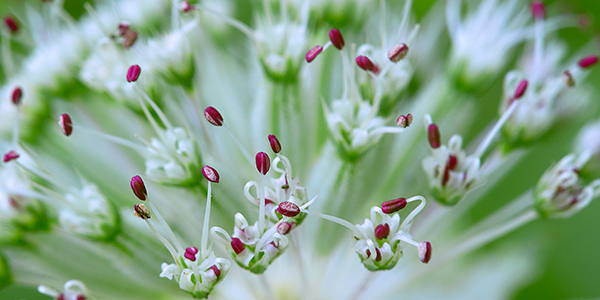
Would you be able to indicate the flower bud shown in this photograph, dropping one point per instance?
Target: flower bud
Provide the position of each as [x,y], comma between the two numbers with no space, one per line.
[16,96]
[398,52]
[210,174]
[588,61]
[10,156]
[284,228]
[336,38]
[312,53]
[382,231]
[275,145]
[213,116]
[64,121]
[138,187]
[288,209]
[392,206]
[263,163]
[365,63]
[133,73]
[140,211]
[433,133]
[237,245]
[425,252]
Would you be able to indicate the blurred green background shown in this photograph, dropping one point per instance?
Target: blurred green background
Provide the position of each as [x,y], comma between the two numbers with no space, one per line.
[570,261]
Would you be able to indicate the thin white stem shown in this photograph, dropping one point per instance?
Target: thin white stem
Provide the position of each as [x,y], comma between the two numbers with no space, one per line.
[337,220]
[407,223]
[288,173]
[108,137]
[538,52]
[261,203]
[164,224]
[204,243]
[231,21]
[44,176]
[159,112]
[268,13]
[164,241]
[15,137]
[174,15]
[159,131]
[405,238]
[490,136]
[239,145]
[7,61]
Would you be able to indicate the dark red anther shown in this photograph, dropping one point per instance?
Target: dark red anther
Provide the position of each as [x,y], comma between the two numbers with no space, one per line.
[288,209]
[190,253]
[237,245]
[263,163]
[376,69]
[140,211]
[210,174]
[382,231]
[335,36]
[123,28]
[433,133]
[61,297]
[16,96]
[378,257]
[65,123]
[538,10]
[425,252]
[404,121]
[213,116]
[11,24]
[269,201]
[588,61]
[450,165]
[521,88]
[129,38]
[80,297]
[186,7]
[138,187]
[10,156]
[275,145]
[284,228]
[133,73]
[216,271]
[313,53]
[365,63]
[368,253]
[392,206]
[398,52]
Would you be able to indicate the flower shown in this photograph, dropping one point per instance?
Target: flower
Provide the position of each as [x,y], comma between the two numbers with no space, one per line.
[257,135]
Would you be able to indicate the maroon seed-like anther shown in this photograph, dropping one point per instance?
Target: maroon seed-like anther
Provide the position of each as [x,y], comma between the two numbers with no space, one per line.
[80,297]
[568,78]
[288,209]
[404,121]
[313,53]
[140,211]
[378,257]
[16,96]
[521,88]
[10,156]
[213,116]
[129,38]
[61,297]
[190,253]
[538,10]
[237,245]
[275,145]
[11,24]
[450,165]
[382,231]
[186,7]
[138,187]
[335,36]
[216,271]
[65,123]
[210,174]
[392,206]
[263,163]
[133,73]
[425,252]
[123,28]
[365,63]
[433,133]
[284,228]
[398,52]
[588,61]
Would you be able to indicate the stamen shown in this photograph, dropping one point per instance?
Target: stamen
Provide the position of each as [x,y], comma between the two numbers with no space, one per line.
[16,96]
[337,220]
[216,271]
[263,163]
[450,165]
[392,206]
[210,174]
[123,28]
[398,52]
[190,253]
[382,231]
[521,88]
[425,252]
[133,73]
[11,24]
[404,121]
[538,10]
[65,123]
[568,79]
[336,38]
[129,38]
[140,211]
[213,116]
[365,63]
[313,53]
[433,134]
[284,228]
[10,156]
[186,7]
[138,187]
[588,61]
[237,245]
[275,145]
[288,209]
[378,257]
